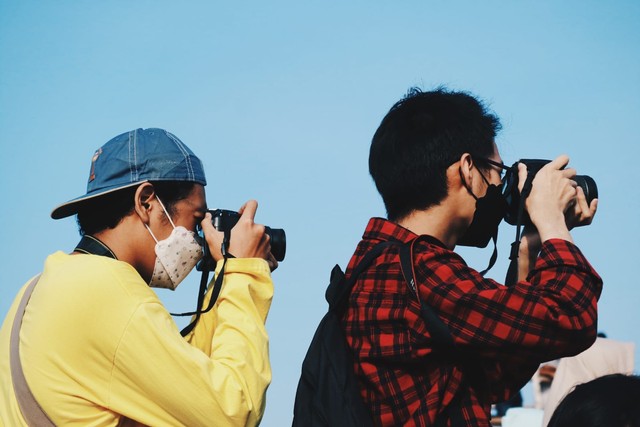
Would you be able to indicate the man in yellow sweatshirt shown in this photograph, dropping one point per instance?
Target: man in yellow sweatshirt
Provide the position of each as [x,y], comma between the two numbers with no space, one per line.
[96,345]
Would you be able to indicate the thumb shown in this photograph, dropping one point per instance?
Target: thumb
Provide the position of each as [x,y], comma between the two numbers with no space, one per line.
[522,175]
[248,210]
[559,162]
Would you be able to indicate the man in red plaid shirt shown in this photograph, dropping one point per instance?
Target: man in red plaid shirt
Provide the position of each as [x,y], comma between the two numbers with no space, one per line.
[436,165]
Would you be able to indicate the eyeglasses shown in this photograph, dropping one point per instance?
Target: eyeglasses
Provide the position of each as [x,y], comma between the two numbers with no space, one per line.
[500,165]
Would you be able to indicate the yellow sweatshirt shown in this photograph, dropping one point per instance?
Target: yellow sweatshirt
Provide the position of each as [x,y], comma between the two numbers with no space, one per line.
[97,345]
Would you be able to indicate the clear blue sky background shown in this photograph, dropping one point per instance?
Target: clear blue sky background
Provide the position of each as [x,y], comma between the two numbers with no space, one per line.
[280,99]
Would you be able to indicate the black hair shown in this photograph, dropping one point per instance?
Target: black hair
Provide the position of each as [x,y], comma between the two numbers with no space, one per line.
[420,137]
[611,400]
[106,211]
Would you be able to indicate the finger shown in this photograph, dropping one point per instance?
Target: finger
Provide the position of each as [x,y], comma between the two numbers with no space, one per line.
[569,173]
[581,203]
[572,196]
[241,210]
[273,263]
[583,213]
[522,175]
[212,236]
[265,246]
[248,210]
[207,224]
[559,162]
[589,213]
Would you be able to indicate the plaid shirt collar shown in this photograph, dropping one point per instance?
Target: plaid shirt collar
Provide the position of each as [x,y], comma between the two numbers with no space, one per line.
[381,229]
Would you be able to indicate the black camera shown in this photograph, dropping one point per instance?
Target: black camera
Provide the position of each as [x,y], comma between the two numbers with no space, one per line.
[224,220]
[512,194]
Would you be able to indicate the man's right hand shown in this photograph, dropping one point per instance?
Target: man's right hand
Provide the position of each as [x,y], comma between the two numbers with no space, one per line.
[581,213]
[248,239]
[553,193]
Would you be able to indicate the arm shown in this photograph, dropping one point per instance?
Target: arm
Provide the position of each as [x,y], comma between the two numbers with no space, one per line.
[530,246]
[551,314]
[557,207]
[508,331]
[556,204]
[222,377]
[159,379]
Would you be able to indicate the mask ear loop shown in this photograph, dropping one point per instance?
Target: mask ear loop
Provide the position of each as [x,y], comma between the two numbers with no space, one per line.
[151,232]
[467,185]
[168,216]
[165,211]
[494,254]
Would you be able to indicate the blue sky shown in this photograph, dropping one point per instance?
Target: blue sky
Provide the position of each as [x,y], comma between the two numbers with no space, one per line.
[280,99]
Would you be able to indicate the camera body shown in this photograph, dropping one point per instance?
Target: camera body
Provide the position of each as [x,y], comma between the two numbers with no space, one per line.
[225,220]
[512,194]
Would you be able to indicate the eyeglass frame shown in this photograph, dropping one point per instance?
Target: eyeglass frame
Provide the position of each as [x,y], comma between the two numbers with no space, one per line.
[502,166]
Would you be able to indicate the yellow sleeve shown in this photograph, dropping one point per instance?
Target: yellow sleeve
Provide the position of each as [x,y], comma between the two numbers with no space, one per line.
[218,376]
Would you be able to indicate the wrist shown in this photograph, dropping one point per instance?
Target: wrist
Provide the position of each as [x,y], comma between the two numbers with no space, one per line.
[555,231]
[531,236]
[244,265]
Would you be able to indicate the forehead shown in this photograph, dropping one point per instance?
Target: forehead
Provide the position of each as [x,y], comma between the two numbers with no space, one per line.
[195,201]
[496,154]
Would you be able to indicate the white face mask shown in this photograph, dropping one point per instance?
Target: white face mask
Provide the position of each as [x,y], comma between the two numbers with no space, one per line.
[175,256]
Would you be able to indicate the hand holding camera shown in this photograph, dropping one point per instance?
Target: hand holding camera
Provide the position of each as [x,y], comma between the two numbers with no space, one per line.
[552,193]
[583,210]
[248,239]
[558,199]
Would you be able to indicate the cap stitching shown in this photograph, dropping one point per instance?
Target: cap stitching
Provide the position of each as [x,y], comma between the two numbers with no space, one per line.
[135,155]
[131,173]
[184,152]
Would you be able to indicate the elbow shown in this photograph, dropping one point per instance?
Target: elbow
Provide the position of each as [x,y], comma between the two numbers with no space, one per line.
[579,332]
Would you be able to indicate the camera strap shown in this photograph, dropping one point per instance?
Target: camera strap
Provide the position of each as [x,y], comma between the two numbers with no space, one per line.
[494,255]
[92,246]
[202,291]
[512,271]
[215,292]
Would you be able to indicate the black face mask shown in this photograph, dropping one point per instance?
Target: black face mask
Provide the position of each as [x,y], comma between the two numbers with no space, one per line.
[490,210]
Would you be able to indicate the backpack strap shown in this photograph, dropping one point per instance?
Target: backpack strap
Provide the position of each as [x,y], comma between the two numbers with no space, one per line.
[337,293]
[438,330]
[33,414]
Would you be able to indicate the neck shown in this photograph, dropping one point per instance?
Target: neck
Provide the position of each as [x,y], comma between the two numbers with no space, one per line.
[442,222]
[130,242]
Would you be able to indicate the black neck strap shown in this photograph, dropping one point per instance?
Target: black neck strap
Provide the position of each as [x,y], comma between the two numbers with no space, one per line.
[512,271]
[92,246]
[494,255]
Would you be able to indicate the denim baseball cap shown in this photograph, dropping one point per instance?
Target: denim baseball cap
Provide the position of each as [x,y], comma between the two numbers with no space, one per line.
[135,157]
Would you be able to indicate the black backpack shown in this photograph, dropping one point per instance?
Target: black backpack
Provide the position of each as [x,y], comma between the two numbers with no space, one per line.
[328,392]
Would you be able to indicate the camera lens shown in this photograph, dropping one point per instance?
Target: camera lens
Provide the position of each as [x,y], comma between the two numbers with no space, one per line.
[278,241]
[512,194]
[588,185]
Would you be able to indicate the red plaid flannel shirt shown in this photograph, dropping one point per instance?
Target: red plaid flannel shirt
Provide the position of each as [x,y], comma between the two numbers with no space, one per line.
[504,332]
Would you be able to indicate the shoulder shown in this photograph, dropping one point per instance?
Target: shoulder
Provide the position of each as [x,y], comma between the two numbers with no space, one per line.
[427,249]
[92,277]
[437,265]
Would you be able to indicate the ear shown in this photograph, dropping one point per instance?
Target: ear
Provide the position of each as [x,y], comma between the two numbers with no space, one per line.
[466,168]
[145,193]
